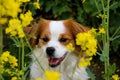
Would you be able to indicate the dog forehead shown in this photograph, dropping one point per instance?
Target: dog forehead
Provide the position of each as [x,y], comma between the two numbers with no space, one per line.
[56,27]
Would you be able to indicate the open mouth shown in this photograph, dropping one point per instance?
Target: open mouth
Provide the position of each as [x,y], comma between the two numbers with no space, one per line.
[53,62]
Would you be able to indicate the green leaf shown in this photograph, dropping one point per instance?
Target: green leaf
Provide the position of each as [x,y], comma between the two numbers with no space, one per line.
[60,9]
[49,6]
[111,70]
[31,7]
[114,5]
[102,57]
[91,75]
[80,13]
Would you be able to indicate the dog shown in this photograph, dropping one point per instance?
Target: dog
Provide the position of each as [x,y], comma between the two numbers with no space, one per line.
[49,39]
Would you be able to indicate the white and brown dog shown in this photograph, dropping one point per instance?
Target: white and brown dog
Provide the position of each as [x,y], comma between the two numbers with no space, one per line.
[49,39]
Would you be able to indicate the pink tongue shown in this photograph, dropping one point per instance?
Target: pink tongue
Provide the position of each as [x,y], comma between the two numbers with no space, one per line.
[54,60]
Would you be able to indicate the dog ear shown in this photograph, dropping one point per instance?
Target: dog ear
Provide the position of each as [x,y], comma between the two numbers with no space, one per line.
[77,28]
[32,33]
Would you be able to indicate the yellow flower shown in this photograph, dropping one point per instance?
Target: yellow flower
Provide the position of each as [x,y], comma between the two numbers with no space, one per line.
[99,16]
[13,33]
[13,61]
[26,18]
[4,56]
[23,0]
[91,47]
[37,5]
[3,20]
[83,1]
[14,78]
[20,32]
[101,31]
[52,75]
[87,42]
[1,69]
[15,28]
[20,72]
[84,62]
[70,47]
[115,77]
[14,22]
[9,7]
[92,32]
[8,30]
[38,79]
[8,71]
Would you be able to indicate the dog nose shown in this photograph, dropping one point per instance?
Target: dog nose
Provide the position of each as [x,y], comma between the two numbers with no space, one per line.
[50,51]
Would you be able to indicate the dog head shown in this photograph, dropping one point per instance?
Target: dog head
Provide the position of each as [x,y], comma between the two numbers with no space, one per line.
[53,37]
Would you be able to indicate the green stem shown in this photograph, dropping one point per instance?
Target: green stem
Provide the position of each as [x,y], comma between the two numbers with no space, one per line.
[97,5]
[34,54]
[19,58]
[22,44]
[113,36]
[106,40]
[1,78]
[116,37]
[1,39]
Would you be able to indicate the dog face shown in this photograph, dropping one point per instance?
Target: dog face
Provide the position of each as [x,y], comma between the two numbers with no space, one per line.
[53,37]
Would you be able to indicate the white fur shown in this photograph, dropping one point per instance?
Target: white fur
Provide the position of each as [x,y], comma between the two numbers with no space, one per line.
[66,67]
[57,28]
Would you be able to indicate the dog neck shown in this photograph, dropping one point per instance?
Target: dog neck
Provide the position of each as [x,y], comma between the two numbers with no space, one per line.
[68,68]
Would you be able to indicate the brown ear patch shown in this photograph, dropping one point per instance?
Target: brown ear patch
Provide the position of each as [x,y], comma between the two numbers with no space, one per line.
[78,28]
[32,33]
[75,28]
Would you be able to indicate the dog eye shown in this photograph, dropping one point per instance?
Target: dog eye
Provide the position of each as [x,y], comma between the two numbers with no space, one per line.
[45,39]
[63,39]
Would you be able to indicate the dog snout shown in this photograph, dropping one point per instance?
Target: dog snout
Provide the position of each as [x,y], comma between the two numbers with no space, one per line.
[50,51]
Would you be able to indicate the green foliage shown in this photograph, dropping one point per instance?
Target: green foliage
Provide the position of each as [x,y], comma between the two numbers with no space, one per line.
[92,76]
[111,70]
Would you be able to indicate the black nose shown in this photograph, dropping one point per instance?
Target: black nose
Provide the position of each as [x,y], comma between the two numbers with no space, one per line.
[50,51]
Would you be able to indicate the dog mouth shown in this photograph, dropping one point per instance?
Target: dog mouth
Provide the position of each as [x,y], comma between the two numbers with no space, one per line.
[53,62]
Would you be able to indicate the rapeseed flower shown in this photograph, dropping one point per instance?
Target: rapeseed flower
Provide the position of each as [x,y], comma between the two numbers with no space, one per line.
[115,77]
[88,44]
[83,1]
[8,71]
[52,75]
[9,8]
[14,78]
[70,47]
[24,1]
[26,18]
[3,20]
[13,61]
[37,5]
[6,57]
[15,28]
[8,65]
[1,69]
[102,31]
[39,78]
[84,62]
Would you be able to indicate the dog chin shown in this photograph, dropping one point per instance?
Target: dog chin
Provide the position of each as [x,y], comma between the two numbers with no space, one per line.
[54,62]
